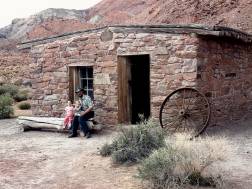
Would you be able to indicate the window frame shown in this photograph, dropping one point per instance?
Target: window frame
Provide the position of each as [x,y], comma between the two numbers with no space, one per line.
[75,81]
[86,80]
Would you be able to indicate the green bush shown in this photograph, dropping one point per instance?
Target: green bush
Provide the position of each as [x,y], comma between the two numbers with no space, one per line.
[21,96]
[135,143]
[9,89]
[159,168]
[183,162]
[24,106]
[106,150]
[5,106]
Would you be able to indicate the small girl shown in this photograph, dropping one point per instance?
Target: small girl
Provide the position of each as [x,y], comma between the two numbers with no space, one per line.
[69,115]
[77,108]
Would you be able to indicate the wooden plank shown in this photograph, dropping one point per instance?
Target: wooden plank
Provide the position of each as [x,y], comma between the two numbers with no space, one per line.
[165,30]
[32,125]
[128,83]
[49,124]
[120,90]
[76,81]
[71,83]
[48,120]
[124,100]
[79,64]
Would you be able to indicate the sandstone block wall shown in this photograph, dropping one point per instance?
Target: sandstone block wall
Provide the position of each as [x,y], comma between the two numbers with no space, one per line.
[173,61]
[217,67]
[224,75]
[172,58]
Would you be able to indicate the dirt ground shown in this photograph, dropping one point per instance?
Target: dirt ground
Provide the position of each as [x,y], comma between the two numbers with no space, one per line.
[50,160]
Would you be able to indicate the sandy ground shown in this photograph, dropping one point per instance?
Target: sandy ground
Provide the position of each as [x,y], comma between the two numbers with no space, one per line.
[238,167]
[51,160]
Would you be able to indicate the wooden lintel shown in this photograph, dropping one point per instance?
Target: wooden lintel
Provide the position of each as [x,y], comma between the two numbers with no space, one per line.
[80,64]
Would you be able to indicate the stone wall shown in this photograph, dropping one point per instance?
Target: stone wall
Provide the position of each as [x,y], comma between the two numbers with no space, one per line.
[173,65]
[224,75]
[51,82]
[173,59]
[220,68]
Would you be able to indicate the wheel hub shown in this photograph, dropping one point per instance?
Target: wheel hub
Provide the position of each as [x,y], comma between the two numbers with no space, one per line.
[183,113]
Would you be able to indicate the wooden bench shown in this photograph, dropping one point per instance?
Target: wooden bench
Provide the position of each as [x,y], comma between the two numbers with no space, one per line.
[50,123]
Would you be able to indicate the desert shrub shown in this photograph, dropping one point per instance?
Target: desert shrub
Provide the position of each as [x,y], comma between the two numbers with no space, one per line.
[183,162]
[106,150]
[9,89]
[21,96]
[24,106]
[6,109]
[135,143]
[158,168]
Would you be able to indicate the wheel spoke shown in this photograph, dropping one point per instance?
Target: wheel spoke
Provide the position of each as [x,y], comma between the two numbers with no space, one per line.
[184,125]
[185,109]
[188,103]
[177,128]
[176,103]
[183,100]
[172,123]
[192,122]
[168,111]
[201,118]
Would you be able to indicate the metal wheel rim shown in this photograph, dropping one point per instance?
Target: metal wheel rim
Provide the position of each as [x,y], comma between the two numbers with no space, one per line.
[203,126]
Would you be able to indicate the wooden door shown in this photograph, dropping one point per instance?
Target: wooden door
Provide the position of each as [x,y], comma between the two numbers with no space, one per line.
[73,77]
[124,90]
[71,83]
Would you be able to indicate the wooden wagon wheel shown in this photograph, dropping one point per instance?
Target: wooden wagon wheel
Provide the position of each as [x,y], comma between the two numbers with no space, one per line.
[185,110]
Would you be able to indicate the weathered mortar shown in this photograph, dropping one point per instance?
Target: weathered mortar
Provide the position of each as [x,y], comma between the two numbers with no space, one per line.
[169,69]
[172,58]
[176,60]
[224,74]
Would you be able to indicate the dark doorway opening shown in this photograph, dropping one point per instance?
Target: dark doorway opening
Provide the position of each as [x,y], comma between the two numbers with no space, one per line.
[134,88]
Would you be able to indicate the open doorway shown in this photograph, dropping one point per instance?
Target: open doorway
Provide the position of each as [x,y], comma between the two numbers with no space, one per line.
[134,88]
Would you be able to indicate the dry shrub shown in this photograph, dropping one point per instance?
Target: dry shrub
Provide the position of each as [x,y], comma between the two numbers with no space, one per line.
[201,152]
[135,143]
[21,96]
[10,89]
[24,106]
[185,162]
[6,110]
[106,150]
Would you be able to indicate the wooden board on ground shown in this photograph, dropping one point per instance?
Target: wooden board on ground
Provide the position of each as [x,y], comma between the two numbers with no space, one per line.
[48,123]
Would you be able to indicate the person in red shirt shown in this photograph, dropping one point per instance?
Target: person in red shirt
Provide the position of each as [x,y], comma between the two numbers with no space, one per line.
[69,115]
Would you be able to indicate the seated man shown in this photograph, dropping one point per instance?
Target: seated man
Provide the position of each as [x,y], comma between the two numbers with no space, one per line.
[83,115]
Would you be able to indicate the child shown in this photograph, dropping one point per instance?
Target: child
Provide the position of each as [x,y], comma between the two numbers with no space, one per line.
[77,108]
[69,115]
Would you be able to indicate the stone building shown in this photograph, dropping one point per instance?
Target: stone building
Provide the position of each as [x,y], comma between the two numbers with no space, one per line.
[131,69]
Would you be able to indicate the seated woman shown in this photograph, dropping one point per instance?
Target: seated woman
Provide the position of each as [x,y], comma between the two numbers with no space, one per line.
[83,115]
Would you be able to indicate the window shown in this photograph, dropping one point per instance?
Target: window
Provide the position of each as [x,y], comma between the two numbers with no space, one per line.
[80,76]
[86,80]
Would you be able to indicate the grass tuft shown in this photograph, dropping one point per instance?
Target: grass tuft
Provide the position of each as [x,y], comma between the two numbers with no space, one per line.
[24,106]
[6,110]
[185,162]
[135,143]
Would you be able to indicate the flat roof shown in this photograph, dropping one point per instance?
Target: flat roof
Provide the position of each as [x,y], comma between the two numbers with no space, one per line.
[218,31]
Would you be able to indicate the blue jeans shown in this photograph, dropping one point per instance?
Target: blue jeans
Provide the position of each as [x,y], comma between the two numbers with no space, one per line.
[82,121]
